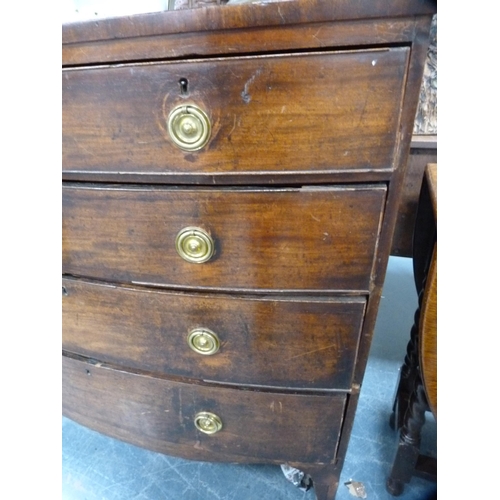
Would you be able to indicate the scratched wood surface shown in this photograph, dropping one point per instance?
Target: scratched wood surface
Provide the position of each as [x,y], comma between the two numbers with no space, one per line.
[291,343]
[239,17]
[265,239]
[318,112]
[297,95]
[158,414]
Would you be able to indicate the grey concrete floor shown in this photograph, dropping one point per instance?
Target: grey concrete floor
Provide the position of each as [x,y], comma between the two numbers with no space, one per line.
[98,467]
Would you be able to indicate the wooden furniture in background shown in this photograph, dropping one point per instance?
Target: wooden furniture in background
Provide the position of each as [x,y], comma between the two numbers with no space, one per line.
[231,179]
[417,389]
[423,150]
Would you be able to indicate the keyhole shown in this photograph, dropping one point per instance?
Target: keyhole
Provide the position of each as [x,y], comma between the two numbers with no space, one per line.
[184,86]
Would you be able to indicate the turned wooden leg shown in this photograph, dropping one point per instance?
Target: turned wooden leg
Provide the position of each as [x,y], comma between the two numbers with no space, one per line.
[408,373]
[408,448]
[408,416]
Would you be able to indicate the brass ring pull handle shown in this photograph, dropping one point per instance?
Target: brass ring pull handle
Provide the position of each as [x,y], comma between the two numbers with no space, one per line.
[203,341]
[207,422]
[189,127]
[194,244]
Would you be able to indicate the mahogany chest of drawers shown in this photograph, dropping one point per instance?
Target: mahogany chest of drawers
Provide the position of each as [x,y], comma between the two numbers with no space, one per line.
[231,177]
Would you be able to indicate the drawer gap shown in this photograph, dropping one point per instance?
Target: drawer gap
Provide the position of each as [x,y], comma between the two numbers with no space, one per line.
[245,388]
[274,296]
[258,179]
[240,55]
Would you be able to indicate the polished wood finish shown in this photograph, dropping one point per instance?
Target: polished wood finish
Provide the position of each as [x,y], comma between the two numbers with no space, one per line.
[312,106]
[320,112]
[266,239]
[428,320]
[298,343]
[431,179]
[158,414]
[243,28]
[428,336]
[417,387]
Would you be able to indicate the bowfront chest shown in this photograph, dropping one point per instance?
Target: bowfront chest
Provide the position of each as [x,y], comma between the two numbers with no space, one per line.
[231,176]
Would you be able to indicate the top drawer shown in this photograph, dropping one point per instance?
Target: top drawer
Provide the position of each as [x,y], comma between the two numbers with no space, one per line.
[316,112]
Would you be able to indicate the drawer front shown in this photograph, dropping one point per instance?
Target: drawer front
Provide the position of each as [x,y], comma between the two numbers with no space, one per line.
[262,239]
[302,343]
[313,112]
[159,415]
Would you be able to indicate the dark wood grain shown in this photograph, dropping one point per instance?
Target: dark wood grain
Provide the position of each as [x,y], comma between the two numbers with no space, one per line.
[299,93]
[414,77]
[311,112]
[158,414]
[265,239]
[322,36]
[250,15]
[301,343]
